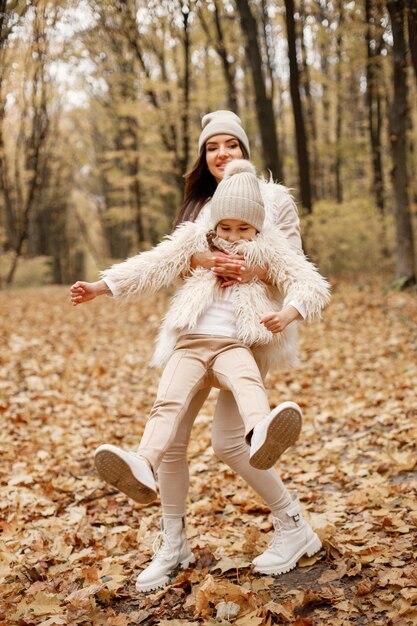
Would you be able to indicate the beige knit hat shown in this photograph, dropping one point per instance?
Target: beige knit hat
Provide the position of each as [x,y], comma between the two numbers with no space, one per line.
[238,196]
[219,123]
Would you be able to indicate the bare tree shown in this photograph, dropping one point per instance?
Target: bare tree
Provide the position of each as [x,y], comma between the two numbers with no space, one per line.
[300,132]
[374,43]
[22,185]
[311,125]
[263,102]
[218,41]
[399,121]
[11,14]
[339,103]
[412,32]
[186,70]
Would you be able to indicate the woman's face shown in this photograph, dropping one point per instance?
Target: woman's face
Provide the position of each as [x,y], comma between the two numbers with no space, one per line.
[221,149]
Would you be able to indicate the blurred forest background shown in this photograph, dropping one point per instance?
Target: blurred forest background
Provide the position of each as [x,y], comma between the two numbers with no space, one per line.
[100,109]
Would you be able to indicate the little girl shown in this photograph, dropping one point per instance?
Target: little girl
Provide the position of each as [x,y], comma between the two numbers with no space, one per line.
[208,334]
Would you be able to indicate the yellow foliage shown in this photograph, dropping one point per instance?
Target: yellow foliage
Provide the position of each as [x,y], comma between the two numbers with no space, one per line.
[348,238]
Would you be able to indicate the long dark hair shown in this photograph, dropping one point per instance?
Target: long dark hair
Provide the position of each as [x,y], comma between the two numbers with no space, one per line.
[200,185]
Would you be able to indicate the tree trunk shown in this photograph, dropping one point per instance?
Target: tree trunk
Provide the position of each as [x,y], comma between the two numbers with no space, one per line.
[2,22]
[35,143]
[160,98]
[324,42]
[219,44]
[300,133]
[264,104]
[228,68]
[185,113]
[310,108]
[269,53]
[339,97]
[373,98]
[135,191]
[405,271]
[412,33]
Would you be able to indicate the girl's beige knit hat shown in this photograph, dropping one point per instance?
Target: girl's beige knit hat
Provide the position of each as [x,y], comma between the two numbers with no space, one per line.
[219,123]
[238,196]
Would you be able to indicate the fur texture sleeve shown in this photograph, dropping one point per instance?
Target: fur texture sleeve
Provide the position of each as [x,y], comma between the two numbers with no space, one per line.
[148,272]
[281,211]
[289,271]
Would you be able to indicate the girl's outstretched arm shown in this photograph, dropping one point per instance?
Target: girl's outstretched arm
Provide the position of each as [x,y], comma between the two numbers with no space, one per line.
[149,271]
[82,291]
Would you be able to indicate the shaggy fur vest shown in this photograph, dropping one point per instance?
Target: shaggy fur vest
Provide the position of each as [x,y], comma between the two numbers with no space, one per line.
[290,276]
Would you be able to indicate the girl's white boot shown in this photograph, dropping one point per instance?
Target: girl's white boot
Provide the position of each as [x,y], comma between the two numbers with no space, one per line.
[293,537]
[171,550]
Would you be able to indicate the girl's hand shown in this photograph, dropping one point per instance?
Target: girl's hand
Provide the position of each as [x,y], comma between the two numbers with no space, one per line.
[223,264]
[230,268]
[246,274]
[277,321]
[84,292]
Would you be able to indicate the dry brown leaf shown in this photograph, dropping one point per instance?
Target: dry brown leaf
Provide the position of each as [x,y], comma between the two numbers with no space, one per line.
[213,590]
[83,379]
[251,619]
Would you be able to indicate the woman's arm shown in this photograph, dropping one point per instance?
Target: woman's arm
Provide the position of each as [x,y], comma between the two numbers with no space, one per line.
[287,217]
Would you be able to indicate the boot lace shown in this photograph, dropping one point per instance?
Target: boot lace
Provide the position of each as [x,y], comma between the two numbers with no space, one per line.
[276,541]
[162,547]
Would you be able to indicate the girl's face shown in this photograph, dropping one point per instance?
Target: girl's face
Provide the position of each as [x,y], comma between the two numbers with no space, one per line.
[221,149]
[234,230]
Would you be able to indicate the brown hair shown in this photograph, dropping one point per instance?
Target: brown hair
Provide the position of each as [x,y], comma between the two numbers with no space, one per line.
[200,185]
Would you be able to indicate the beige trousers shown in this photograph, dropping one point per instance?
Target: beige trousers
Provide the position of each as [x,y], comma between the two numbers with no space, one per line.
[228,441]
[198,363]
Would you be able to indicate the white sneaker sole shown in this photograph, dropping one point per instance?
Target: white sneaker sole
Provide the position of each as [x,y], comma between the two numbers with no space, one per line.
[163,580]
[282,432]
[313,546]
[113,469]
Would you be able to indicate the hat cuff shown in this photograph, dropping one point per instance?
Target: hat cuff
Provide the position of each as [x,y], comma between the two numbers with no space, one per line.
[253,213]
[223,128]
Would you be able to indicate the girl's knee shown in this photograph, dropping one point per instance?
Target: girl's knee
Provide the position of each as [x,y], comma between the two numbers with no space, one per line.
[229,452]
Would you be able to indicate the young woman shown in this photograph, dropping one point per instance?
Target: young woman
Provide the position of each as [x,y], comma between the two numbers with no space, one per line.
[222,140]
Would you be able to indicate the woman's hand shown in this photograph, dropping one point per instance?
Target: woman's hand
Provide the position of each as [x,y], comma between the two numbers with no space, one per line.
[246,274]
[277,321]
[230,268]
[84,292]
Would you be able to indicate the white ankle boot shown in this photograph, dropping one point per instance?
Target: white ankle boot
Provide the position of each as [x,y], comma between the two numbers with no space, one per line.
[171,550]
[293,538]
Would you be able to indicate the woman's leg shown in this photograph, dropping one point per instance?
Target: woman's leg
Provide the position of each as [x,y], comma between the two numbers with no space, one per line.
[228,441]
[293,536]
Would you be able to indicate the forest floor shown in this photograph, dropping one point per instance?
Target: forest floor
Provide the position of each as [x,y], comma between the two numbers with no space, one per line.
[71,547]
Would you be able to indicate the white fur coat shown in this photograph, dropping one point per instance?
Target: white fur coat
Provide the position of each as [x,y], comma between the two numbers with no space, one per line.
[290,274]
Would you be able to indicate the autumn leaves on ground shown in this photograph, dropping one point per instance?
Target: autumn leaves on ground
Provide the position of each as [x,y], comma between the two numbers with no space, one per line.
[71,547]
